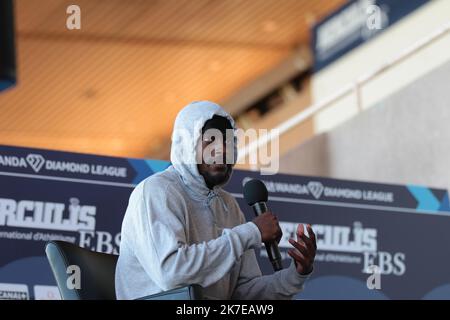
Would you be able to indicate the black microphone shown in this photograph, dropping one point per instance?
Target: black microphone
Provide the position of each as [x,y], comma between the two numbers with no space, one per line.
[256,195]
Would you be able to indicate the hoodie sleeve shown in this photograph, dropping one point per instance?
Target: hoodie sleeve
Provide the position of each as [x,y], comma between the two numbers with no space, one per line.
[160,244]
[283,284]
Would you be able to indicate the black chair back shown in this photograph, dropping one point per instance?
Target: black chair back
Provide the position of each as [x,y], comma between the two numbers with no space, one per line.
[97,271]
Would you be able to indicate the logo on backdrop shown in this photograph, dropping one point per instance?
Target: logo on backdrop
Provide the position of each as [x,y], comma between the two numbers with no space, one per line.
[13,291]
[74,217]
[349,244]
[47,215]
[316,188]
[42,292]
[320,191]
[37,162]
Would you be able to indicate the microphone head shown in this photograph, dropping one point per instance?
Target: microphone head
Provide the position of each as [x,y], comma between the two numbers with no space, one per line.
[255,191]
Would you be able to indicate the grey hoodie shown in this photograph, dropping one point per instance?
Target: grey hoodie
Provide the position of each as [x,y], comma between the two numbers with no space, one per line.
[176,231]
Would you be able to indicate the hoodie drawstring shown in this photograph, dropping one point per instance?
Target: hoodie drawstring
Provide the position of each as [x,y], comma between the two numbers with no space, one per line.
[211,195]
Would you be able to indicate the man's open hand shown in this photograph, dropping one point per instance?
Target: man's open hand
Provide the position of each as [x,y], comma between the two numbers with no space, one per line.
[305,249]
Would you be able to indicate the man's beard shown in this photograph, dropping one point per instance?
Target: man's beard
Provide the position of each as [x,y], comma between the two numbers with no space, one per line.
[218,178]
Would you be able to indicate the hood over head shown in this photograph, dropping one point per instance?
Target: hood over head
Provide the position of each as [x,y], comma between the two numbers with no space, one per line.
[185,137]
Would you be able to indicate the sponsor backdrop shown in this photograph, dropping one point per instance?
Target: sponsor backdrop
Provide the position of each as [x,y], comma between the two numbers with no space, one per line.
[402,230]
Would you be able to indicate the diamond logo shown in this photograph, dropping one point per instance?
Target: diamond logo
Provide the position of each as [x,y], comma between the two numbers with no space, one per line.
[316,188]
[36,161]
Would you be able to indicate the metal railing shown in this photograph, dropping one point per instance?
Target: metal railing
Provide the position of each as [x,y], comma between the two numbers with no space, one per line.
[354,87]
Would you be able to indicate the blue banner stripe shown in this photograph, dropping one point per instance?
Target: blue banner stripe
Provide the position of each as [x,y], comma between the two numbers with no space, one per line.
[445,204]
[157,165]
[425,198]
[141,168]
[145,168]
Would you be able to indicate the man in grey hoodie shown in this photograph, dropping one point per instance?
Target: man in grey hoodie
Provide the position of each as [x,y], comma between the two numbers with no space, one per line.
[182,228]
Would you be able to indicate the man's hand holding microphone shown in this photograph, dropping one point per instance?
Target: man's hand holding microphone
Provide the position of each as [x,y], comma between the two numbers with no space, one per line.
[304,247]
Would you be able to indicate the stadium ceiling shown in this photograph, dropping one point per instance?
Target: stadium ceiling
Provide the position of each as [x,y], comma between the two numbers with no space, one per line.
[115,86]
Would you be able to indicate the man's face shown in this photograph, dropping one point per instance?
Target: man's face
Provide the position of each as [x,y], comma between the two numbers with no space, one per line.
[212,151]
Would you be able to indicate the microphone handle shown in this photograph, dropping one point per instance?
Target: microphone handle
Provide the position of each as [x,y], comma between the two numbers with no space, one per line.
[272,247]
